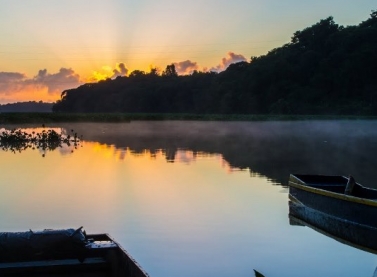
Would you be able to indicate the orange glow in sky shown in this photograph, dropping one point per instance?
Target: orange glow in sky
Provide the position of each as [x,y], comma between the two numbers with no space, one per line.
[50,46]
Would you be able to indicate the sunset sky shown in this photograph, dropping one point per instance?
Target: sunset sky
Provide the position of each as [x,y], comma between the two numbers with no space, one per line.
[50,45]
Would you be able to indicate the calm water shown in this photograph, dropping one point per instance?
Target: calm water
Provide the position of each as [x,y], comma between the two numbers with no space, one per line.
[194,198]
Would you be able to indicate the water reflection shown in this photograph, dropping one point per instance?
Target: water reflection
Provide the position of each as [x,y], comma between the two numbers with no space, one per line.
[17,140]
[318,202]
[272,149]
[178,194]
[356,235]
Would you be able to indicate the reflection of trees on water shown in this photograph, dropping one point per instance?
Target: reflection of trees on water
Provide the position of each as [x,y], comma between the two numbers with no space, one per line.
[18,140]
[272,149]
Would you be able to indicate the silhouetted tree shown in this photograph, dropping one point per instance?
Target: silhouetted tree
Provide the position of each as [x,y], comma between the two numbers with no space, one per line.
[325,69]
[170,71]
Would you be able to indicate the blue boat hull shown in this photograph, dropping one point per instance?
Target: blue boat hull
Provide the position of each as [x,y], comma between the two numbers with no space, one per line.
[326,194]
[356,235]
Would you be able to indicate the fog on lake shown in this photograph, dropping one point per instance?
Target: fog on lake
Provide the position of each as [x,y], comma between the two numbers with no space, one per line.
[192,198]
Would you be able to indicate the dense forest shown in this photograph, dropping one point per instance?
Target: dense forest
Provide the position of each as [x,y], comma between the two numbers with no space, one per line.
[31,106]
[324,69]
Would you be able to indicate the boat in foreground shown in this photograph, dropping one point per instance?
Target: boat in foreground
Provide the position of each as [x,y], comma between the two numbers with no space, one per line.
[327,194]
[328,205]
[65,253]
[351,234]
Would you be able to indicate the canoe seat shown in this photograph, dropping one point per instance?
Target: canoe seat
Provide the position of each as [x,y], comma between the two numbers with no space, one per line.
[350,185]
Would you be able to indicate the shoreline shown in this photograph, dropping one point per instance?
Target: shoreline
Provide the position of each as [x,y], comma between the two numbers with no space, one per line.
[9,118]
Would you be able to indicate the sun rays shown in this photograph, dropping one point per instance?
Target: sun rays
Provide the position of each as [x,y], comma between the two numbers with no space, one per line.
[92,38]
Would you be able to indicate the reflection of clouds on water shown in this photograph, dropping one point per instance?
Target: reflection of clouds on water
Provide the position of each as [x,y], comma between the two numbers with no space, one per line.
[122,154]
[186,157]
[66,150]
[189,156]
[63,150]
[272,149]
[179,156]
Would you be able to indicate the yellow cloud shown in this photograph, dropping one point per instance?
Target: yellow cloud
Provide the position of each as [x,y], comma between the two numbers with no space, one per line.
[108,72]
[107,68]
[98,76]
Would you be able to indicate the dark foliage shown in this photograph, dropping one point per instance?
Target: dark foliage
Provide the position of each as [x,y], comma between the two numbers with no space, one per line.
[17,140]
[325,69]
[30,106]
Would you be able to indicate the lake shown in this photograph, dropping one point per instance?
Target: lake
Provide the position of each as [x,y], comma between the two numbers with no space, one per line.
[193,198]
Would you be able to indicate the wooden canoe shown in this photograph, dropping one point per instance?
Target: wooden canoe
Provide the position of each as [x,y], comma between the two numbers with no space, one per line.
[327,194]
[352,234]
[321,203]
[97,255]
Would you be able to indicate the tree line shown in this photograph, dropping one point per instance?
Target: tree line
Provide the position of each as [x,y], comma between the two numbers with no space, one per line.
[31,106]
[325,69]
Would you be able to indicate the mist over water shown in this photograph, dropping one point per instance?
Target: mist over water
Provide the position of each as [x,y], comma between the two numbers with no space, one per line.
[272,149]
[194,198]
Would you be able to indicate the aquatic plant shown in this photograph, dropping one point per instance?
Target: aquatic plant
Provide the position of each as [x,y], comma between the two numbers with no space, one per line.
[17,140]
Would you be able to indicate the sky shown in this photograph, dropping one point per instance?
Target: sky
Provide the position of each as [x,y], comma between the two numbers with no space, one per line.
[48,46]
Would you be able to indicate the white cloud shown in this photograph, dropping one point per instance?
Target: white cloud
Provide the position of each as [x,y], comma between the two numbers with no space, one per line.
[45,86]
[120,70]
[228,60]
[186,67]
[9,81]
[15,86]
[57,82]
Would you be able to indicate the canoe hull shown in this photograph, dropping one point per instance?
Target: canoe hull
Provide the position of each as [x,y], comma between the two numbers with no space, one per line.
[102,257]
[357,235]
[327,196]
